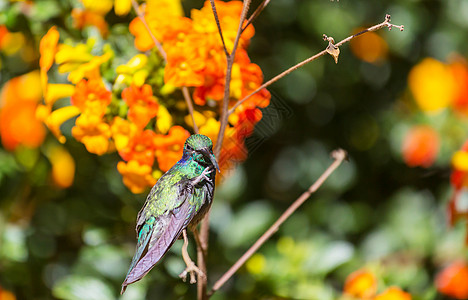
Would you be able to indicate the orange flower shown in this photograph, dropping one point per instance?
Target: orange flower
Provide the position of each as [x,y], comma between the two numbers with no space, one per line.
[369,47]
[140,148]
[244,121]
[6,295]
[169,147]
[361,284]
[420,146]
[233,150]
[164,18]
[93,133]
[47,50]
[122,132]
[91,97]
[143,106]
[143,39]
[229,15]
[18,102]
[135,176]
[452,281]
[84,17]
[184,67]
[393,293]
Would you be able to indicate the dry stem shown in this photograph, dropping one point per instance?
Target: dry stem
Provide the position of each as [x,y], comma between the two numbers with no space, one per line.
[256,13]
[339,155]
[385,23]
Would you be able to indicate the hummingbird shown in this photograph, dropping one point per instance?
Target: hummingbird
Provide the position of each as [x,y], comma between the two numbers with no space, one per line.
[179,200]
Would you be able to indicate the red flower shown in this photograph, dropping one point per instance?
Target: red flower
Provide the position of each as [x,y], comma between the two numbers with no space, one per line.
[452,281]
[421,146]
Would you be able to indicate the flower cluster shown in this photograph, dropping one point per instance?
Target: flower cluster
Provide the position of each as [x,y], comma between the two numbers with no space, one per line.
[440,92]
[362,285]
[139,110]
[196,58]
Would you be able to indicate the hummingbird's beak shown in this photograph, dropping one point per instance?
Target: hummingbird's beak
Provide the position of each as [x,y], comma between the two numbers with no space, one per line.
[212,158]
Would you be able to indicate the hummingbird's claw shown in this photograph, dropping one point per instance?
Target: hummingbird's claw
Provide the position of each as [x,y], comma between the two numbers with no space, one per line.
[191,267]
[203,175]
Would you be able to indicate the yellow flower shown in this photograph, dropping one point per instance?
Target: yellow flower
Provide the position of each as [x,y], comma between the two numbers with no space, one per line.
[163,120]
[93,133]
[211,129]
[101,7]
[164,9]
[135,176]
[58,91]
[134,71]
[122,132]
[63,166]
[460,160]
[69,57]
[200,119]
[256,264]
[122,7]
[432,85]
[55,119]
[79,61]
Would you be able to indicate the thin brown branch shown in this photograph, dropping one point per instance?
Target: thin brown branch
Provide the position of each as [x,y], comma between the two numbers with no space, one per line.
[218,24]
[227,86]
[188,100]
[256,13]
[385,23]
[339,156]
[141,15]
[202,248]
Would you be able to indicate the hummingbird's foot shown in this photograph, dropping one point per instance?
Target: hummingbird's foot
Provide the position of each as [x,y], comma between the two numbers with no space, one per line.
[203,175]
[191,267]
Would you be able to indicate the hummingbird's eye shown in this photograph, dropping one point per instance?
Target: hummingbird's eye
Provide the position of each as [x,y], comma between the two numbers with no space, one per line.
[189,147]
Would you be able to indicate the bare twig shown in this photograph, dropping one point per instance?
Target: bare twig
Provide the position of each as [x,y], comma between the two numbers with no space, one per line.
[202,246]
[202,249]
[160,48]
[339,155]
[256,13]
[220,31]
[227,86]
[141,15]
[188,100]
[385,23]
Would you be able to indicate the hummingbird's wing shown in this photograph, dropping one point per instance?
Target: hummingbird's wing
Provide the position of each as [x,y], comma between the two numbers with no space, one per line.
[157,232]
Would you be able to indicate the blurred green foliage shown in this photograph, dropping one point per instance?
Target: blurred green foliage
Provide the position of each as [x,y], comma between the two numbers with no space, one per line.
[374,211]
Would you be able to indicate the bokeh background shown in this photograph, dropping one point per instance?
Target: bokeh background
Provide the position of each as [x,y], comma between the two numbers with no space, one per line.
[391,102]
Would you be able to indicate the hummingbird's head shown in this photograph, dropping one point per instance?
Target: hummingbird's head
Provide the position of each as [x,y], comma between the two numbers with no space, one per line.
[200,148]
